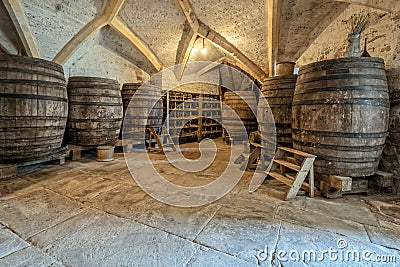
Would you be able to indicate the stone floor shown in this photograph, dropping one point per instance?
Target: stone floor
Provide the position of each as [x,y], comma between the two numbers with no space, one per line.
[88,213]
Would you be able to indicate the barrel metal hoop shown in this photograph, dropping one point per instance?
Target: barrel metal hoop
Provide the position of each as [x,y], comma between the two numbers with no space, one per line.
[367,101]
[340,134]
[343,77]
[31,96]
[375,88]
[87,103]
[34,82]
[28,71]
[339,148]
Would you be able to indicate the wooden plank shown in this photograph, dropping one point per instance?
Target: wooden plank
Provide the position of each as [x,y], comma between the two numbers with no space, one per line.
[383,179]
[292,160]
[359,185]
[287,164]
[159,143]
[297,152]
[305,186]
[328,191]
[20,22]
[311,180]
[253,157]
[281,178]
[7,171]
[301,176]
[341,183]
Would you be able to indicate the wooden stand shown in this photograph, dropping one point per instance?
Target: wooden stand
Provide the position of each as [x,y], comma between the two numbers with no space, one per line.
[11,170]
[75,152]
[8,171]
[162,143]
[252,152]
[295,181]
[333,186]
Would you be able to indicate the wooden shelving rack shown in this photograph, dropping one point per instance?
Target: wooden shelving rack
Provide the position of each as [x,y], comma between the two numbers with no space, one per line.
[192,117]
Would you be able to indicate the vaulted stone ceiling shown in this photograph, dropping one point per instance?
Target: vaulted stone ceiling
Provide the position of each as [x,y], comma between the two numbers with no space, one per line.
[152,34]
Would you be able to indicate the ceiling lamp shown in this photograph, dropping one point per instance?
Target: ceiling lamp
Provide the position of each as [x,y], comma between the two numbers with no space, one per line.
[204,49]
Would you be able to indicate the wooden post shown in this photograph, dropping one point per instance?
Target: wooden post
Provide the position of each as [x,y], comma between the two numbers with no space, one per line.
[200,119]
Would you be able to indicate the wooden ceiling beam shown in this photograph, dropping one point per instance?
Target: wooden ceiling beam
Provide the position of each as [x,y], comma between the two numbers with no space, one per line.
[7,45]
[188,39]
[19,19]
[122,28]
[220,41]
[386,5]
[274,9]
[110,11]
[188,11]
[200,29]
[184,50]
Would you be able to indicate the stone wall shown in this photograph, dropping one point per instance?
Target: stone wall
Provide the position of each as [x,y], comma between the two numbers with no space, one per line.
[54,22]
[383,35]
[101,62]
[192,82]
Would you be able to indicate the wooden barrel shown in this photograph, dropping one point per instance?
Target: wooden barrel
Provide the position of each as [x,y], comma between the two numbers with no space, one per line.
[390,161]
[33,109]
[278,92]
[127,92]
[241,102]
[95,111]
[142,108]
[394,117]
[341,114]
[285,68]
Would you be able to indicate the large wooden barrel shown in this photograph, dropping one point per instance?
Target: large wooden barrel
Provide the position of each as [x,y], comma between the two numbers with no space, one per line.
[390,161]
[278,92]
[95,111]
[127,92]
[341,114]
[33,109]
[241,102]
[142,108]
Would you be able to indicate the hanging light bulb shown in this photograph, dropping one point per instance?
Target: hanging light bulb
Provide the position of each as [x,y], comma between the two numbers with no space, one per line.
[204,49]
